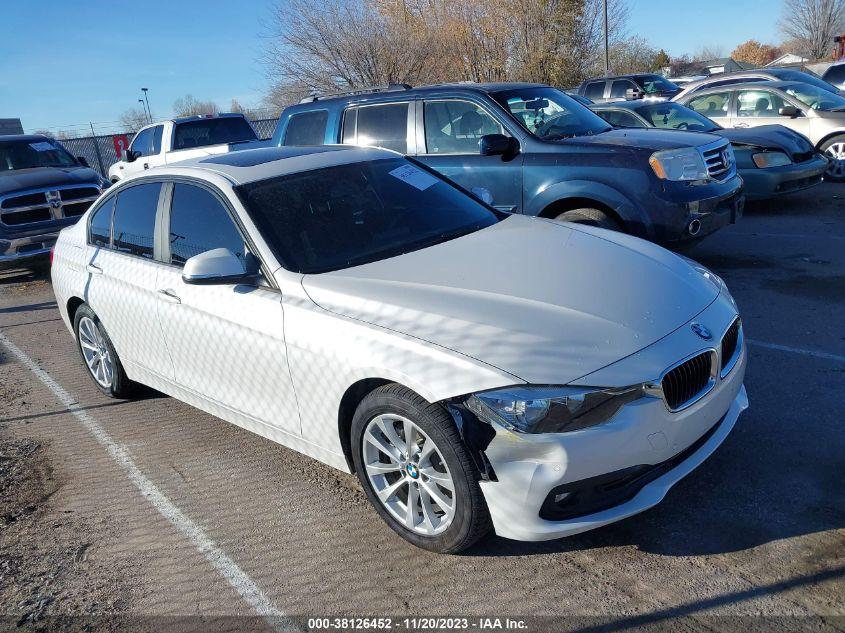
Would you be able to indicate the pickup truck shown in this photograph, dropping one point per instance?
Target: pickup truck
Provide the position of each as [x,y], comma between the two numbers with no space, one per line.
[170,141]
[43,189]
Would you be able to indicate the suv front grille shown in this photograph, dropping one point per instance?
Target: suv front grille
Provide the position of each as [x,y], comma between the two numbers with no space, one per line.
[688,381]
[27,200]
[730,343]
[79,193]
[717,161]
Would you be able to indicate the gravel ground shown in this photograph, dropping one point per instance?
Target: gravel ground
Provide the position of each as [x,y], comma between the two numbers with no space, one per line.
[754,539]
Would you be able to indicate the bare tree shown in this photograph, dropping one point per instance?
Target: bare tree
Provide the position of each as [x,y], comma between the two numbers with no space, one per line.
[813,24]
[134,119]
[190,106]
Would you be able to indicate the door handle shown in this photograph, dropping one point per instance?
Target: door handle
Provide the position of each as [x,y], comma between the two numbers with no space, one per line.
[94,269]
[146,165]
[169,296]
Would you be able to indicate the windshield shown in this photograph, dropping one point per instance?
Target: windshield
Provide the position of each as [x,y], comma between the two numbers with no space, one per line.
[549,114]
[347,215]
[34,153]
[676,117]
[655,83]
[204,132]
[816,98]
[785,74]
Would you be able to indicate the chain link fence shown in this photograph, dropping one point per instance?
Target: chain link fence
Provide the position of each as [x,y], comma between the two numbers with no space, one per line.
[101,152]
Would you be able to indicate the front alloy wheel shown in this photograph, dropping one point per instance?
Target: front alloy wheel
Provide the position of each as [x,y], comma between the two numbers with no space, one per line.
[417,471]
[835,152]
[408,474]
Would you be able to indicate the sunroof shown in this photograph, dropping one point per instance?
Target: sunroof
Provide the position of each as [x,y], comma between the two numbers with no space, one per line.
[253,157]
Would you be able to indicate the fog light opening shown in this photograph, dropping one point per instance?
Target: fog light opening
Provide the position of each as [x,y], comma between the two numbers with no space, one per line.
[694,227]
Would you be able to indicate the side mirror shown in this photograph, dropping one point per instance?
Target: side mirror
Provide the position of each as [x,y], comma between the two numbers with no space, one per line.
[127,155]
[789,110]
[498,145]
[217,266]
[632,94]
[82,161]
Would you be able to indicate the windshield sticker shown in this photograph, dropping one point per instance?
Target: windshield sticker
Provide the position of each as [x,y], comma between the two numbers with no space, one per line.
[42,146]
[414,177]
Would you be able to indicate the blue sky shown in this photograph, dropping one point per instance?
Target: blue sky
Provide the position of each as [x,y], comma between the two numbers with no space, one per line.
[64,63]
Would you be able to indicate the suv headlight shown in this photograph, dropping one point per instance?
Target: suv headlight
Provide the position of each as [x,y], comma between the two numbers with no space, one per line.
[685,163]
[528,409]
[770,159]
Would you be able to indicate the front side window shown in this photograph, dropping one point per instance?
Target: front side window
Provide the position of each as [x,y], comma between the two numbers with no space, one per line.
[758,103]
[100,224]
[348,215]
[212,131]
[306,128]
[594,90]
[456,127]
[549,114]
[712,105]
[32,154]
[816,98]
[134,219]
[383,126]
[673,116]
[620,118]
[198,223]
[142,144]
[619,87]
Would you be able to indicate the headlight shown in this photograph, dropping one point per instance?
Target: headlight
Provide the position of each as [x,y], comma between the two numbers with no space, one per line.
[770,159]
[685,163]
[551,409]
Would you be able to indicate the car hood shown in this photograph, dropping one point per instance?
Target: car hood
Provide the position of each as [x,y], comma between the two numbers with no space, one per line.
[649,139]
[772,137]
[542,300]
[42,177]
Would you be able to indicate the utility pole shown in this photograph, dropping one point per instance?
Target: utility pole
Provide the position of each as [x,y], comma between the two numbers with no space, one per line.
[149,112]
[606,45]
[97,150]
[146,114]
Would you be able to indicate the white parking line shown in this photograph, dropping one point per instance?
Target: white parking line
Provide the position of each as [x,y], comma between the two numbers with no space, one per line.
[798,350]
[236,577]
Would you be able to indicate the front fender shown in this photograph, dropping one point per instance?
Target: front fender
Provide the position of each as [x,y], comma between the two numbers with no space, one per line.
[635,219]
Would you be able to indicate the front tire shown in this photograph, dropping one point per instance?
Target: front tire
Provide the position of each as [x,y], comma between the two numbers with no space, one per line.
[416,471]
[834,150]
[98,354]
[590,217]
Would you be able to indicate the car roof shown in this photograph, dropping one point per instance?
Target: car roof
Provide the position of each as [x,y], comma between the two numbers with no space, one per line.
[249,165]
[781,85]
[26,138]
[398,92]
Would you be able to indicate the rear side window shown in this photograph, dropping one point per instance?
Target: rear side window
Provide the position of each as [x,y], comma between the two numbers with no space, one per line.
[713,105]
[384,126]
[205,132]
[307,128]
[100,227]
[198,223]
[594,90]
[134,219]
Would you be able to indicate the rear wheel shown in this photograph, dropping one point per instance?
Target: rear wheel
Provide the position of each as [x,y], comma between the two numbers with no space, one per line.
[416,472]
[99,355]
[590,217]
[834,150]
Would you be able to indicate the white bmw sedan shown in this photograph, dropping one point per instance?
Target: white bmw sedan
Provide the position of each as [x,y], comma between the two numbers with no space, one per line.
[475,369]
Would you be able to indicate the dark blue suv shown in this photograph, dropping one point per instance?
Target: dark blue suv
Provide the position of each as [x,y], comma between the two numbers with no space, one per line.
[530,148]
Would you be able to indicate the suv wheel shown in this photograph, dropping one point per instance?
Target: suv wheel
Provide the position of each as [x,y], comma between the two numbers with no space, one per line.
[834,150]
[98,353]
[416,472]
[591,217]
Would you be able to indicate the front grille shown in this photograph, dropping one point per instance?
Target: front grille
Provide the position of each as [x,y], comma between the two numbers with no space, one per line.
[729,342]
[802,157]
[79,193]
[15,218]
[28,200]
[717,162]
[75,209]
[687,381]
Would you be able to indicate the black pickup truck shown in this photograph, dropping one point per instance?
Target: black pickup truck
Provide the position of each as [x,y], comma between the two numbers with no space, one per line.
[42,189]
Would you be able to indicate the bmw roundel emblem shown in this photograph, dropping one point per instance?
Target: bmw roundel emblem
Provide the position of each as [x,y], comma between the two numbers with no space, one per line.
[700,330]
[413,471]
